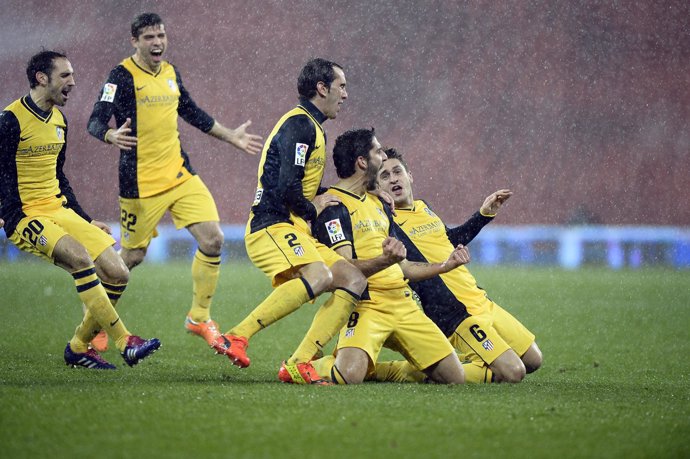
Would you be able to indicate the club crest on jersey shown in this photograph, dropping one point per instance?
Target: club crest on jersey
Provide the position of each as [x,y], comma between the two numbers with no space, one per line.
[109,91]
[301,154]
[349,333]
[429,211]
[488,345]
[335,231]
[60,132]
[42,240]
[299,250]
[172,84]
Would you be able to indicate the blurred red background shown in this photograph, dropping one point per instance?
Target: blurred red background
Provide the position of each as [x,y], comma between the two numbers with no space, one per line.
[582,108]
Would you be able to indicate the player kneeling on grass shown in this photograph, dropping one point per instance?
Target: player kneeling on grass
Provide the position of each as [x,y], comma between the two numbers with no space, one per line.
[42,216]
[360,229]
[493,345]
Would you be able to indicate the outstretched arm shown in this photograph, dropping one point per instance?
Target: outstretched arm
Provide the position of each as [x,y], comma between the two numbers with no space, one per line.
[465,233]
[238,137]
[418,271]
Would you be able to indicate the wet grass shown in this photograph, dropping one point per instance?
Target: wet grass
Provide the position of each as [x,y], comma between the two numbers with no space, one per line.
[615,383]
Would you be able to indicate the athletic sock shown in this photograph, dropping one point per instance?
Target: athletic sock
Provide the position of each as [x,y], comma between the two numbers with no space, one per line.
[285,299]
[328,321]
[477,372]
[398,371]
[205,272]
[99,307]
[89,325]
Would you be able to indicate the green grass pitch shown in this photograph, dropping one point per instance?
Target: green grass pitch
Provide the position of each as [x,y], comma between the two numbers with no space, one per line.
[615,380]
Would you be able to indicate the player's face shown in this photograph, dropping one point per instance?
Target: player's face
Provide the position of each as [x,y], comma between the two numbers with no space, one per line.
[60,82]
[377,156]
[394,179]
[150,45]
[336,94]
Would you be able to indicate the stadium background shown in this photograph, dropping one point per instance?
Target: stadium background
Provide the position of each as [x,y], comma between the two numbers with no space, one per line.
[581,108]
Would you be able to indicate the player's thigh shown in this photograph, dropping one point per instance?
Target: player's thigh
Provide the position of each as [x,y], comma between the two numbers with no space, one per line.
[192,203]
[139,217]
[39,234]
[477,339]
[366,329]
[280,250]
[512,330]
[416,336]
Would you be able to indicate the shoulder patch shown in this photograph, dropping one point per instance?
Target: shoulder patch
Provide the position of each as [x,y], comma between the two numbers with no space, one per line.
[335,230]
[301,154]
[109,91]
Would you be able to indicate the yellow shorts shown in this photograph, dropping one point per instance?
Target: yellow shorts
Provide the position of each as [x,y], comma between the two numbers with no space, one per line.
[490,334]
[43,227]
[392,319]
[188,203]
[279,250]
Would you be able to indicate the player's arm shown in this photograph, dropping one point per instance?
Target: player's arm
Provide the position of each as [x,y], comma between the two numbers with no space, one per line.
[65,188]
[9,196]
[294,136]
[465,233]
[118,91]
[417,271]
[393,252]
[194,115]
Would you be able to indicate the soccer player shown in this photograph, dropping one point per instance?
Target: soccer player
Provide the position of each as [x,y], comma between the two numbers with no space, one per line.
[146,95]
[361,229]
[493,345]
[278,238]
[42,216]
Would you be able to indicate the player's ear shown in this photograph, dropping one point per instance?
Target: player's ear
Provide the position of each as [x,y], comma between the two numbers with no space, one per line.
[322,89]
[42,78]
[133,41]
[362,162]
[409,174]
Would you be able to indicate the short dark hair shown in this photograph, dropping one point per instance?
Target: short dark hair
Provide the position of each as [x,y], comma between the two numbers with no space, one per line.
[41,62]
[392,153]
[143,21]
[314,71]
[349,146]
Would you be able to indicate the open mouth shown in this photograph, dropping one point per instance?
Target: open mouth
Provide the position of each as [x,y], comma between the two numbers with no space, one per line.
[156,54]
[396,189]
[65,93]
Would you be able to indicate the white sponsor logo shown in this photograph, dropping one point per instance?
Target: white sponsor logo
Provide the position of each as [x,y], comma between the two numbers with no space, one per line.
[257,196]
[172,84]
[301,154]
[335,231]
[109,91]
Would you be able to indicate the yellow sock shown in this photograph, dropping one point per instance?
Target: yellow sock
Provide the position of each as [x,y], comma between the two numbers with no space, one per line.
[93,295]
[89,327]
[477,372]
[282,301]
[323,366]
[328,321]
[205,272]
[398,371]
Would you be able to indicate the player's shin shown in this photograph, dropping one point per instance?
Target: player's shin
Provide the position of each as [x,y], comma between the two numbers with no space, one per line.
[328,321]
[205,272]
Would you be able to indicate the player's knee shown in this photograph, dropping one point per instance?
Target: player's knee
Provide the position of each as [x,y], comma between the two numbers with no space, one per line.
[212,244]
[532,359]
[348,276]
[351,366]
[512,373]
[318,276]
[132,257]
[116,274]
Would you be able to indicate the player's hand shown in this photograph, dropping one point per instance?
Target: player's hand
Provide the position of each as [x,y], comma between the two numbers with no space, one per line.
[102,226]
[385,197]
[459,257]
[494,201]
[120,137]
[325,200]
[248,143]
[2,222]
[394,250]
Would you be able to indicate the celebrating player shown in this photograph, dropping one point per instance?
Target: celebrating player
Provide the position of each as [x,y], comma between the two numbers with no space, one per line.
[278,239]
[360,229]
[42,215]
[493,345]
[146,95]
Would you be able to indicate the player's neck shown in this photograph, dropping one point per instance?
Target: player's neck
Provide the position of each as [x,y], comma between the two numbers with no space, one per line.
[141,63]
[356,184]
[40,100]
